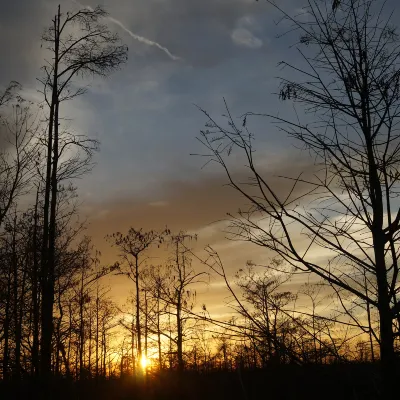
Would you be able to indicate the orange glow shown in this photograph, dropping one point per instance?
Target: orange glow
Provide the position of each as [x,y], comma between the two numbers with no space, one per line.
[144,362]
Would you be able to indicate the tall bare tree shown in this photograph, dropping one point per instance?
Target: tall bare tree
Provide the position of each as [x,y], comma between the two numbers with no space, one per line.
[80,46]
[349,92]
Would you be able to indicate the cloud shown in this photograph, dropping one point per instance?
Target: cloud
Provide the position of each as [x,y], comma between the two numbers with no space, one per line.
[197,31]
[243,37]
[199,206]
[4,139]
[159,203]
[248,21]
[21,26]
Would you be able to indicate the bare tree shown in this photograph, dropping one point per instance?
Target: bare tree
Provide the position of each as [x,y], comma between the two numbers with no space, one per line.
[177,289]
[18,134]
[270,320]
[80,46]
[133,248]
[349,91]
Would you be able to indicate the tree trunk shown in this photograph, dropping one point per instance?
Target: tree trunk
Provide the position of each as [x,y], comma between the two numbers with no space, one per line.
[179,340]
[6,327]
[160,365]
[81,330]
[388,358]
[35,299]
[16,305]
[97,333]
[145,326]
[133,347]
[138,330]
[49,230]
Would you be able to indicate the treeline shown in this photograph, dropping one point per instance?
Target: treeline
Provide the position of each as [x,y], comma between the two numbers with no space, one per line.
[159,327]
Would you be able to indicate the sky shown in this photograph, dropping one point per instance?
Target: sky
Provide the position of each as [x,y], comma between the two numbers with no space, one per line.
[145,114]
[182,53]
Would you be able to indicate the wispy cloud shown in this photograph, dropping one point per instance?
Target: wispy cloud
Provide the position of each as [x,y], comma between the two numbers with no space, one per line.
[139,38]
[243,37]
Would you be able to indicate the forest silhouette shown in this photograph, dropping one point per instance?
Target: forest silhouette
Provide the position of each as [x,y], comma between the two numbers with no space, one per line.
[320,319]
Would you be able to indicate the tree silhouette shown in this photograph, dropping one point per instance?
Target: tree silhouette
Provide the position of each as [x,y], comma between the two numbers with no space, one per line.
[80,46]
[133,248]
[349,92]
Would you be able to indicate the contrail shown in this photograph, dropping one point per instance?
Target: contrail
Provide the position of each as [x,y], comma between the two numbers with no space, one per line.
[139,38]
[143,39]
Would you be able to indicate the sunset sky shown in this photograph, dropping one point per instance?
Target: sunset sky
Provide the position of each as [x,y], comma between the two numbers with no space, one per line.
[182,53]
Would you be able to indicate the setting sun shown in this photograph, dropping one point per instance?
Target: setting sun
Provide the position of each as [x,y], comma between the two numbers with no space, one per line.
[144,362]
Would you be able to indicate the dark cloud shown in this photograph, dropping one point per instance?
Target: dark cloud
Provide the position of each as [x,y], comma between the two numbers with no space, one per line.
[5,109]
[189,205]
[197,31]
[201,31]
[4,142]
[21,26]
[144,115]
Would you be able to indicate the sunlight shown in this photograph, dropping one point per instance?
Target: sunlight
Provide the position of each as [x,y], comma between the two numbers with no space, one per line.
[144,362]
